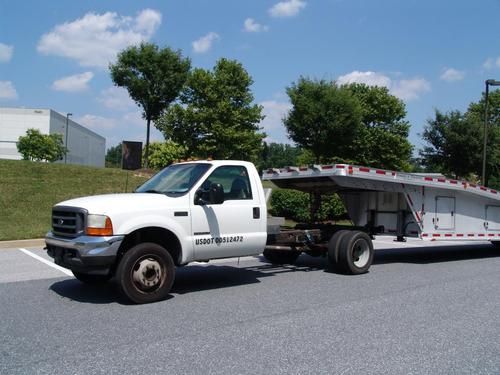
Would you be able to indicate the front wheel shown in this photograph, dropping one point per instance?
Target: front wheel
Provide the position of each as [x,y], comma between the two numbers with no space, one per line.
[91,279]
[356,253]
[146,273]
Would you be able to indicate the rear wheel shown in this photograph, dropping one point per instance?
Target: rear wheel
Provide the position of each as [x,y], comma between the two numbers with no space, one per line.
[281,256]
[355,253]
[146,273]
[91,279]
[333,249]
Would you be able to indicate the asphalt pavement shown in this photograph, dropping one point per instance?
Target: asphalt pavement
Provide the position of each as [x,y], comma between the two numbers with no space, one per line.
[422,309]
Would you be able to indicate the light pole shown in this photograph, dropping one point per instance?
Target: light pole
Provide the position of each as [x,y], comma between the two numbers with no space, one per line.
[66,141]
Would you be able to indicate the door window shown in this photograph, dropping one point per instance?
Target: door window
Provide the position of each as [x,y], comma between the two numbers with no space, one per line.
[234,180]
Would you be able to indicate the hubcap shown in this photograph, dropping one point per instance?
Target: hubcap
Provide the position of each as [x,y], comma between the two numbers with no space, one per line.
[360,253]
[147,274]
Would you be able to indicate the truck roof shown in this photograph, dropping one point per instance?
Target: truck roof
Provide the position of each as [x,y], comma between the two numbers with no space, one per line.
[217,162]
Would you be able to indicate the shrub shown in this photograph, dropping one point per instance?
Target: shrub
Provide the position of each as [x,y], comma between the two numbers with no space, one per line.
[36,146]
[163,154]
[295,205]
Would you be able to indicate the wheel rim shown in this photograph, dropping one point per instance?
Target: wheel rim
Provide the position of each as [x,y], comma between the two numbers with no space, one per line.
[148,274]
[360,253]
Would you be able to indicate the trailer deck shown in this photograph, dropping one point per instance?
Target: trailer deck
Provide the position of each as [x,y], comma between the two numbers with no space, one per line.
[402,204]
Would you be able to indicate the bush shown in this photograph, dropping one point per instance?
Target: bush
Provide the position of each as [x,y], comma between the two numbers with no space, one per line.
[163,154]
[295,205]
[36,146]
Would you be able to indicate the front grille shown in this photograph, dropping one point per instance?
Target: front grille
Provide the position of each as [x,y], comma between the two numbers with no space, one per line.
[68,221]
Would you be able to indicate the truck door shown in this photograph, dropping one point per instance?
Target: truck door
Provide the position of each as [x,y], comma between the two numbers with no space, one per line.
[237,226]
[445,213]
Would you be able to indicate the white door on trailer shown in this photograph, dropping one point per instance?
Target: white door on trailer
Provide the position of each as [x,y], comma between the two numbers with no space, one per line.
[493,218]
[445,213]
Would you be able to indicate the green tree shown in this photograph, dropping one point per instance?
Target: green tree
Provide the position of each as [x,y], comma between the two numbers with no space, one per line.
[455,142]
[279,155]
[215,117]
[153,78]
[162,154]
[383,140]
[325,119]
[475,113]
[36,146]
[114,156]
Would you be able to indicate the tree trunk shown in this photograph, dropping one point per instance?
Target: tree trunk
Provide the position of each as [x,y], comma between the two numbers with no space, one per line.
[146,152]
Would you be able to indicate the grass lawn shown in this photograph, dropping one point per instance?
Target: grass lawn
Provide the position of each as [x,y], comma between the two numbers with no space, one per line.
[28,190]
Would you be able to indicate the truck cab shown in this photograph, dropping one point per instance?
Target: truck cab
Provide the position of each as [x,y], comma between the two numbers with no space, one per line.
[192,211]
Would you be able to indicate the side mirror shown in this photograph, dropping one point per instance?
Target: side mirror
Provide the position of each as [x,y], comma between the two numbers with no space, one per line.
[216,194]
[213,195]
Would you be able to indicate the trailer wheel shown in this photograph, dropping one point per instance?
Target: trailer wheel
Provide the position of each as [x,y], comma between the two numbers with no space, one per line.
[91,279]
[332,258]
[281,256]
[146,273]
[496,244]
[355,253]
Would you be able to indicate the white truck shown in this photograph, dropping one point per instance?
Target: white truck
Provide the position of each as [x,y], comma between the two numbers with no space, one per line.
[203,210]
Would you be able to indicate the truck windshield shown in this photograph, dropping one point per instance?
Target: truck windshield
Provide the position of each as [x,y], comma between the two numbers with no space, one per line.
[176,179]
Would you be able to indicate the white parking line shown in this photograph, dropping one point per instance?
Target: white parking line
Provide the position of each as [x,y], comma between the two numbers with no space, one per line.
[53,265]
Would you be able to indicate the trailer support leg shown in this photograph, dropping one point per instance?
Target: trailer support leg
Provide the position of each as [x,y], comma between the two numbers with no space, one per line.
[400,234]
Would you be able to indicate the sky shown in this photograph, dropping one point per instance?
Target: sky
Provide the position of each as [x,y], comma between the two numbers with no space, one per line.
[431,54]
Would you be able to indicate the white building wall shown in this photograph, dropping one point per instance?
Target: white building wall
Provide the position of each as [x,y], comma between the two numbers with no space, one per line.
[85,146]
[14,122]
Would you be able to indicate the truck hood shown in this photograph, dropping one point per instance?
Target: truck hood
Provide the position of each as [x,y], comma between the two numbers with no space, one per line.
[110,204]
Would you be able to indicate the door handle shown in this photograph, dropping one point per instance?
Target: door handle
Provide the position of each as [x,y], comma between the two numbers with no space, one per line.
[256,212]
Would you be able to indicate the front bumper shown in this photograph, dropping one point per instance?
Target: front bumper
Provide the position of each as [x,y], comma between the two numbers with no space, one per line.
[86,254]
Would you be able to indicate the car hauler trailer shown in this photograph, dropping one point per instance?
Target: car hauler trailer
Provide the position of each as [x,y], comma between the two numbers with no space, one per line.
[203,210]
[428,207]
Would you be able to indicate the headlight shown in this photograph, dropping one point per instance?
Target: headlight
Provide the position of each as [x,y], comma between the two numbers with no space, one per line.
[99,225]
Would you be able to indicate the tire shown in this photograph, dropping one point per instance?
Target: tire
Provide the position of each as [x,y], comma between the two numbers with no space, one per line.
[281,256]
[146,273]
[355,253]
[496,244]
[332,257]
[91,279]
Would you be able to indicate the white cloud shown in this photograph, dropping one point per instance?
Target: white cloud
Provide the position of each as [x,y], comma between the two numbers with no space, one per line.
[97,122]
[148,21]
[135,118]
[7,90]
[410,89]
[491,63]
[74,83]
[116,98]
[204,44]
[368,78]
[405,89]
[129,126]
[274,112]
[452,75]
[95,39]
[251,26]
[6,52]
[287,8]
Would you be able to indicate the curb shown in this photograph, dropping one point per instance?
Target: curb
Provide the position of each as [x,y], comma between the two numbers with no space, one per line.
[37,242]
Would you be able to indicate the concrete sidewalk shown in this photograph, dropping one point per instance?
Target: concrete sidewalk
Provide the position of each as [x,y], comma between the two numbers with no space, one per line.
[37,242]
